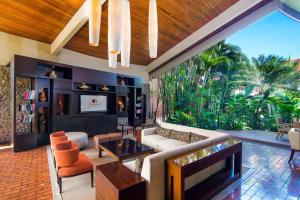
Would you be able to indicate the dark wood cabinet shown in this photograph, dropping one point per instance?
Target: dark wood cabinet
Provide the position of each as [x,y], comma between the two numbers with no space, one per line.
[60,85]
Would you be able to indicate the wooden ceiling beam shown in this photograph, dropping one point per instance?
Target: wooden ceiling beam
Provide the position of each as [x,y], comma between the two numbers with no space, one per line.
[72,27]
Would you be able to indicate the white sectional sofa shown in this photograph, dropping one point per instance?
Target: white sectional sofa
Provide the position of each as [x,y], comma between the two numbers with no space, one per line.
[153,169]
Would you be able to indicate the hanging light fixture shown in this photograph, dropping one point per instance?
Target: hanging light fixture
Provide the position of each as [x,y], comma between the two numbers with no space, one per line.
[95,10]
[153,28]
[112,60]
[125,34]
[114,26]
[119,29]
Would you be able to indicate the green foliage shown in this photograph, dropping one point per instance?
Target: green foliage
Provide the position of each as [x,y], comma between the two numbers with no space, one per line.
[222,88]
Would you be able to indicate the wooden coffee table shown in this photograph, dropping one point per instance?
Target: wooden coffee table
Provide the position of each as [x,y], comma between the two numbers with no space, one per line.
[124,149]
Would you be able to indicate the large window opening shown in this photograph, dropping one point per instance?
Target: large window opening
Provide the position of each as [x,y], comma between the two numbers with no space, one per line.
[249,81]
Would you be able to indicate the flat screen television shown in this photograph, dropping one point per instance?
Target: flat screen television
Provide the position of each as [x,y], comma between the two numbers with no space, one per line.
[93,103]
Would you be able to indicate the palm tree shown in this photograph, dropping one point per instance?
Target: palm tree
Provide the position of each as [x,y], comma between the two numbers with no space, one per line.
[267,73]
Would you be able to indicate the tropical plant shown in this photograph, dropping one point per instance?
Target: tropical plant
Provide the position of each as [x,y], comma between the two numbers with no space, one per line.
[222,88]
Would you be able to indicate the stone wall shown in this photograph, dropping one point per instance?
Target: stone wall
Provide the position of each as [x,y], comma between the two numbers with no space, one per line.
[5,118]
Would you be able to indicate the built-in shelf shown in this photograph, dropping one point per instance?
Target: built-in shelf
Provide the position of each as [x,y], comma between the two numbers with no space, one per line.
[62,104]
[125,81]
[95,88]
[53,72]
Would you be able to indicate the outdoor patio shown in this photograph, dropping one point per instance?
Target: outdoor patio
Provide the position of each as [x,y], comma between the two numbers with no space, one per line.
[260,136]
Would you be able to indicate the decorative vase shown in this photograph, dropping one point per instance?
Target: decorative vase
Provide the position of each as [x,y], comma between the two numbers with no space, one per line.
[43,97]
[52,74]
[122,82]
[42,121]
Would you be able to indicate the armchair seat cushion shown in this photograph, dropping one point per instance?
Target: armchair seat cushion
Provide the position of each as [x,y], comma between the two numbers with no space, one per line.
[82,165]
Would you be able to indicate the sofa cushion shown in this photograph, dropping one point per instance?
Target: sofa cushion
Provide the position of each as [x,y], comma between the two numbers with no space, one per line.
[196,137]
[181,136]
[162,131]
[168,144]
[152,140]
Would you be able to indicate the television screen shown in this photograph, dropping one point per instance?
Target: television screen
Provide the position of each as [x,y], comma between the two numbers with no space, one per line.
[93,103]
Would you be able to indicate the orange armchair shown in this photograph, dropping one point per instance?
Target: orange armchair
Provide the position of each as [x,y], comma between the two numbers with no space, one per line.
[70,162]
[58,137]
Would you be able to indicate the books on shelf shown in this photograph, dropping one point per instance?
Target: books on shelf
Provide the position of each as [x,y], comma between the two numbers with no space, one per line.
[27,118]
[27,107]
[29,95]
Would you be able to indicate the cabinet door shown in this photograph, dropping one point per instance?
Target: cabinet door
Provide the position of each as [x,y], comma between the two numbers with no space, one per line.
[106,124]
[62,123]
[79,124]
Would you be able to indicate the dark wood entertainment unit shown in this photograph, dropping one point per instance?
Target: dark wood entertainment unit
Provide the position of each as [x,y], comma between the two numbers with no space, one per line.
[56,103]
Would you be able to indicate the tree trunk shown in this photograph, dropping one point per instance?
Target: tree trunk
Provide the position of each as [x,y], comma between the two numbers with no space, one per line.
[221,107]
[256,114]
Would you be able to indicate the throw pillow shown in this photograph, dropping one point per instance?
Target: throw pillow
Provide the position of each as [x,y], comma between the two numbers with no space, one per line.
[195,137]
[162,131]
[181,136]
[139,164]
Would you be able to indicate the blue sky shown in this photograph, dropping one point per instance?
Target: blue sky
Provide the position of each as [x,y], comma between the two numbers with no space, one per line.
[274,34]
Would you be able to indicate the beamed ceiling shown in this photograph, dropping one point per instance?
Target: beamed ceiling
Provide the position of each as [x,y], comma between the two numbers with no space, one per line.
[42,20]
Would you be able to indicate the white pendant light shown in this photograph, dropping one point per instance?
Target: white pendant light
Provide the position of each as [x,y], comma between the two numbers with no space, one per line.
[95,10]
[114,26]
[112,60]
[153,28]
[125,34]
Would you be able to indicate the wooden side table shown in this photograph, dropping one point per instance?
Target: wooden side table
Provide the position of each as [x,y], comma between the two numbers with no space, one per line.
[114,181]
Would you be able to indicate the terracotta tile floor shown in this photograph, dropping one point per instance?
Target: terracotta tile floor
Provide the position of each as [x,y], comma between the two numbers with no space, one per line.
[24,175]
[273,178]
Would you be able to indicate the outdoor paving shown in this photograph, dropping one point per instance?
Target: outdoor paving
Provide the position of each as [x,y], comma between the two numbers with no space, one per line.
[260,136]
[273,178]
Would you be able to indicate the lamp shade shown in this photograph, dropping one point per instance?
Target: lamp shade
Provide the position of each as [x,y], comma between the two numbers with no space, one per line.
[112,60]
[153,28]
[125,34]
[114,26]
[95,9]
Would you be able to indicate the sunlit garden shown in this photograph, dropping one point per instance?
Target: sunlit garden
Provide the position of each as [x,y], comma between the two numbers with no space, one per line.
[222,88]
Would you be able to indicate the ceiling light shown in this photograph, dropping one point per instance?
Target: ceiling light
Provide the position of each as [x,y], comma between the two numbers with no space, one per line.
[125,34]
[153,28]
[114,26]
[95,9]
[112,60]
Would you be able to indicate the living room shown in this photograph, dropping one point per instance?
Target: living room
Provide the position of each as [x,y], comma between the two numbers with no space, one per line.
[117,99]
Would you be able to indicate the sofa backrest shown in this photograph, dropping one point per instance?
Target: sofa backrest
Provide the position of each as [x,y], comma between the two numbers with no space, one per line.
[215,136]
[154,168]
[154,165]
